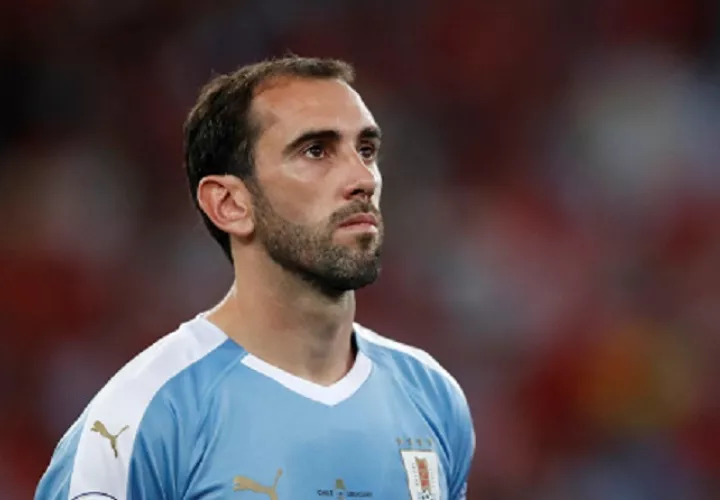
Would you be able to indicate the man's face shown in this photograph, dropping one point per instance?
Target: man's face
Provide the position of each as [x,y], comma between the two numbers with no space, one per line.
[316,174]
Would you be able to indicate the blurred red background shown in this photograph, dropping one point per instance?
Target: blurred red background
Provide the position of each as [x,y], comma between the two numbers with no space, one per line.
[552,201]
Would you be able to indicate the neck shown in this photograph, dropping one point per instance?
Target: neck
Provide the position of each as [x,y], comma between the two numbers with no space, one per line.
[287,322]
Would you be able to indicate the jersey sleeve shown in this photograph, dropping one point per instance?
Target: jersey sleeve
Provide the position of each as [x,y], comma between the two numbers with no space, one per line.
[107,455]
[463,446]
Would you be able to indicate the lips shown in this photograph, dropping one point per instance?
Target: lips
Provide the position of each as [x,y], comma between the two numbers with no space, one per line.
[360,219]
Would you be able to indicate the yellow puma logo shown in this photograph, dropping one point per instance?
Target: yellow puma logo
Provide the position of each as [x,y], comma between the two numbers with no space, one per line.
[102,430]
[243,483]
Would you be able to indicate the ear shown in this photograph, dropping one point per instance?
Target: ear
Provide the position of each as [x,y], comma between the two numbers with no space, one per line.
[227,203]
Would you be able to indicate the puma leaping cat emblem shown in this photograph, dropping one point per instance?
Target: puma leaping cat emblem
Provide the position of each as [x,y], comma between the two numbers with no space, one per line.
[242,483]
[102,430]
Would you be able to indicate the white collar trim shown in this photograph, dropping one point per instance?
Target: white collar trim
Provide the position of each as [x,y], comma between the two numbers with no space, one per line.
[331,395]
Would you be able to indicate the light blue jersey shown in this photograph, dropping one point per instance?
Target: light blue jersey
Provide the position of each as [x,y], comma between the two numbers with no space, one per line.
[195,416]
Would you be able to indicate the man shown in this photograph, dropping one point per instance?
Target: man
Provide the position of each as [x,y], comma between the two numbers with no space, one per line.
[276,393]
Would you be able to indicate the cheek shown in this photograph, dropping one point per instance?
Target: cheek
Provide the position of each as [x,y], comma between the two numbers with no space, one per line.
[297,205]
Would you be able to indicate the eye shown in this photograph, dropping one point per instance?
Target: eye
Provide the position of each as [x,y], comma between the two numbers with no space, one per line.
[315,151]
[368,152]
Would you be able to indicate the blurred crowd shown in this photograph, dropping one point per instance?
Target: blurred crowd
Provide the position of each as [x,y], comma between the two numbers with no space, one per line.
[552,198]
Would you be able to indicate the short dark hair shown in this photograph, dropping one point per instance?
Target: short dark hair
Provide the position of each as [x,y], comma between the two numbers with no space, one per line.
[220,132]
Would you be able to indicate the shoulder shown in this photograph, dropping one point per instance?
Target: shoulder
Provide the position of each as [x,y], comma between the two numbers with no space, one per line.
[412,365]
[437,391]
[182,353]
[137,415]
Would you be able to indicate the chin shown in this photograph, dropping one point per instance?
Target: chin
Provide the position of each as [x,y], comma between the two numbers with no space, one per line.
[361,281]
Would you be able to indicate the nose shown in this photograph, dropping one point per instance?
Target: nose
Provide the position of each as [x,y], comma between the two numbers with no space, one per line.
[363,179]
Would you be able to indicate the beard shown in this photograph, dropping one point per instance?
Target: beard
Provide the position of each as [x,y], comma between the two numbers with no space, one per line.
[310,253]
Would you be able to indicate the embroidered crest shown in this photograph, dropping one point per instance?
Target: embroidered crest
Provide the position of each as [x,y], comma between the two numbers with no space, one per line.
[423,472]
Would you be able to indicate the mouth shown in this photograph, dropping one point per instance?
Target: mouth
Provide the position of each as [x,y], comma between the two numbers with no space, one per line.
[365,221]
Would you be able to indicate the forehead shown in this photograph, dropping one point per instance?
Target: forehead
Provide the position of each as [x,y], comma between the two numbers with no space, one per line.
[287,106]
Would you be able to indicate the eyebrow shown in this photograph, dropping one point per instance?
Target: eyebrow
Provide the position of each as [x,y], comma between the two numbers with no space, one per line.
[373,132]
[326,135]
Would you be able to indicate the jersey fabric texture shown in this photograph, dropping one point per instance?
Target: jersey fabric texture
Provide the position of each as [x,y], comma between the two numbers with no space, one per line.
[195,416]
